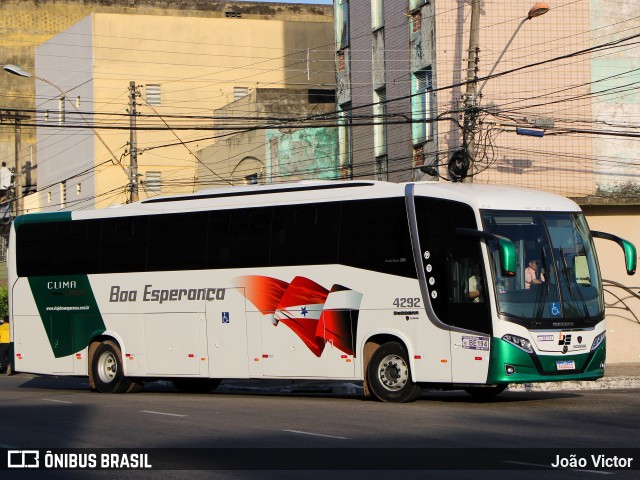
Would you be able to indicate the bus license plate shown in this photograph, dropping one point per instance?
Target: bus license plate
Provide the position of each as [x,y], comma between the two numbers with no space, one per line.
[566,365]
[475,343]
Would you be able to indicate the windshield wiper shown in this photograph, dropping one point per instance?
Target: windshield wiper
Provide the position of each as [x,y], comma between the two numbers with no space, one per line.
[569,277]
[544,288]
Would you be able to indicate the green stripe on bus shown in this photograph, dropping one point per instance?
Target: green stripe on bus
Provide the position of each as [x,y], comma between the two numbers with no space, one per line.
[68,310]
[41,218]
[504,353]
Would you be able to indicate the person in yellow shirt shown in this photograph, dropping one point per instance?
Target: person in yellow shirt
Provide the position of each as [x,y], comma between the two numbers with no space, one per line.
[5,344]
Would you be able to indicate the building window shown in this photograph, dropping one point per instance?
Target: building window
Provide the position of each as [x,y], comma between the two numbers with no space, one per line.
[382,168]
[342,23]
[63,194]
[317,95]
[153,182]
[153,94]
[344,141]
[377,14]
[422,105]
[378,73]
[379,120]
[61,110]
[240,92]
[413,4]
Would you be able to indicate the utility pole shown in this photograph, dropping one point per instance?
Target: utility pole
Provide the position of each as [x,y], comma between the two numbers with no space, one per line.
[17,191]
[470,98]
[16,118]
[133,148]
[468,153]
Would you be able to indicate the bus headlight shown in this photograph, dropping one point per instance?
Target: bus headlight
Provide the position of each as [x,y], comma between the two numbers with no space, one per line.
[598,341]
[521,343]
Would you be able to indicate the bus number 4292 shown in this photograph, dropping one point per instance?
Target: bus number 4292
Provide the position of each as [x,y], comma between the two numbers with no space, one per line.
[407,302]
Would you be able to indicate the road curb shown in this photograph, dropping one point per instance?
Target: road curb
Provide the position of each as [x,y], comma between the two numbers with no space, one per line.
[606,383]
[351,388]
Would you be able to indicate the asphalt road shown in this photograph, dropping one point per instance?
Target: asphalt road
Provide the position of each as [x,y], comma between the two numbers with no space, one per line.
[58,413]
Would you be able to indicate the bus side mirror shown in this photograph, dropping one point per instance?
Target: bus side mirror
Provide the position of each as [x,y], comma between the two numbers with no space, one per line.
[506,249]
[629,249]
[507,252]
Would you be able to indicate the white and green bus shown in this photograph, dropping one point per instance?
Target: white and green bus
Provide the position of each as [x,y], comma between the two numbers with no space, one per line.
[401,286]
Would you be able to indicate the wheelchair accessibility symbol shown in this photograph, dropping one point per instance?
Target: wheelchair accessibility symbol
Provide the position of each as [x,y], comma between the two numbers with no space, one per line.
[555,309]
[225,317]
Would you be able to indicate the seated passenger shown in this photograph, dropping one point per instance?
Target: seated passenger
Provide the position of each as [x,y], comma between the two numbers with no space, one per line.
[475,286]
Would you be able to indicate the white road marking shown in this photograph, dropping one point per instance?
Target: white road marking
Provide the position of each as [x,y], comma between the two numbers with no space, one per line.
[54,400]
[315,434]
[549,466]
[163,413]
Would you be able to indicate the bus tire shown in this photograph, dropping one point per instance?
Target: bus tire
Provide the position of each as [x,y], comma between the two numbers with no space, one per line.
[389,374]
[107,371]
[485,392]
[196,385]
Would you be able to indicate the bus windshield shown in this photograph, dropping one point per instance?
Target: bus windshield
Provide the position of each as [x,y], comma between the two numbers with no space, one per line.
[557,282]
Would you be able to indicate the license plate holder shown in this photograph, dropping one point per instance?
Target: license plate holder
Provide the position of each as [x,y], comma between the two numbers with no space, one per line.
[565,365]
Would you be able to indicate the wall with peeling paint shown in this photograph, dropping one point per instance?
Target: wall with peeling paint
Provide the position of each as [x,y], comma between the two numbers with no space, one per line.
[271,155]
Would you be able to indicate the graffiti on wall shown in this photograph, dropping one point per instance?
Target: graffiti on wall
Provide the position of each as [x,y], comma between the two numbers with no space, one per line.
[308,153]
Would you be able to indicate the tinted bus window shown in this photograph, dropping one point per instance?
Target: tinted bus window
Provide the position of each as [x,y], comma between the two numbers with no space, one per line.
[34,249]
[177,241]
[77,247]
[452,261]
[239,238]
[375,236]
[124,245]
[305,234]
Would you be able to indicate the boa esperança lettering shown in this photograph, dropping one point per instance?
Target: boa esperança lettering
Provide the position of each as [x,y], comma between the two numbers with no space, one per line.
[162,295]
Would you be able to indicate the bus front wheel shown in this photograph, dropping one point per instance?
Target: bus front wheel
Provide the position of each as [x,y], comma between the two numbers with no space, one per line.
[107,371]
[389,374]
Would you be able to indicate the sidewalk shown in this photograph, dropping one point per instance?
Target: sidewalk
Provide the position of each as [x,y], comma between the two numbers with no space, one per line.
[616,376]
[622,370]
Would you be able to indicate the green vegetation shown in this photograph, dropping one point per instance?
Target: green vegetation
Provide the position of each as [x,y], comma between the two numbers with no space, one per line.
[3,274]
[4,302]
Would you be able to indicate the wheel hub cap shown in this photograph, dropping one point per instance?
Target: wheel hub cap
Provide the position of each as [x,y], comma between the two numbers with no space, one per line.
[393,372]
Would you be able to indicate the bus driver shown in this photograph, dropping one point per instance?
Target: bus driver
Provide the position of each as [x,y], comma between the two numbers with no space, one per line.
[531,275]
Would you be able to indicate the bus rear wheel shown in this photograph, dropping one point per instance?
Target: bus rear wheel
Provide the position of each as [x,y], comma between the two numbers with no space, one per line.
[389,374]
[107,372]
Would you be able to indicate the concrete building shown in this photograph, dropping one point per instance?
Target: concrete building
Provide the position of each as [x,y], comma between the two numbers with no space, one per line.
[181,77]
[571,74]
[144,31]
[280,148]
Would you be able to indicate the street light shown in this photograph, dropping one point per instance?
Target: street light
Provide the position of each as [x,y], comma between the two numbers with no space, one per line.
[16,70]
[462,165]
[537,10]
